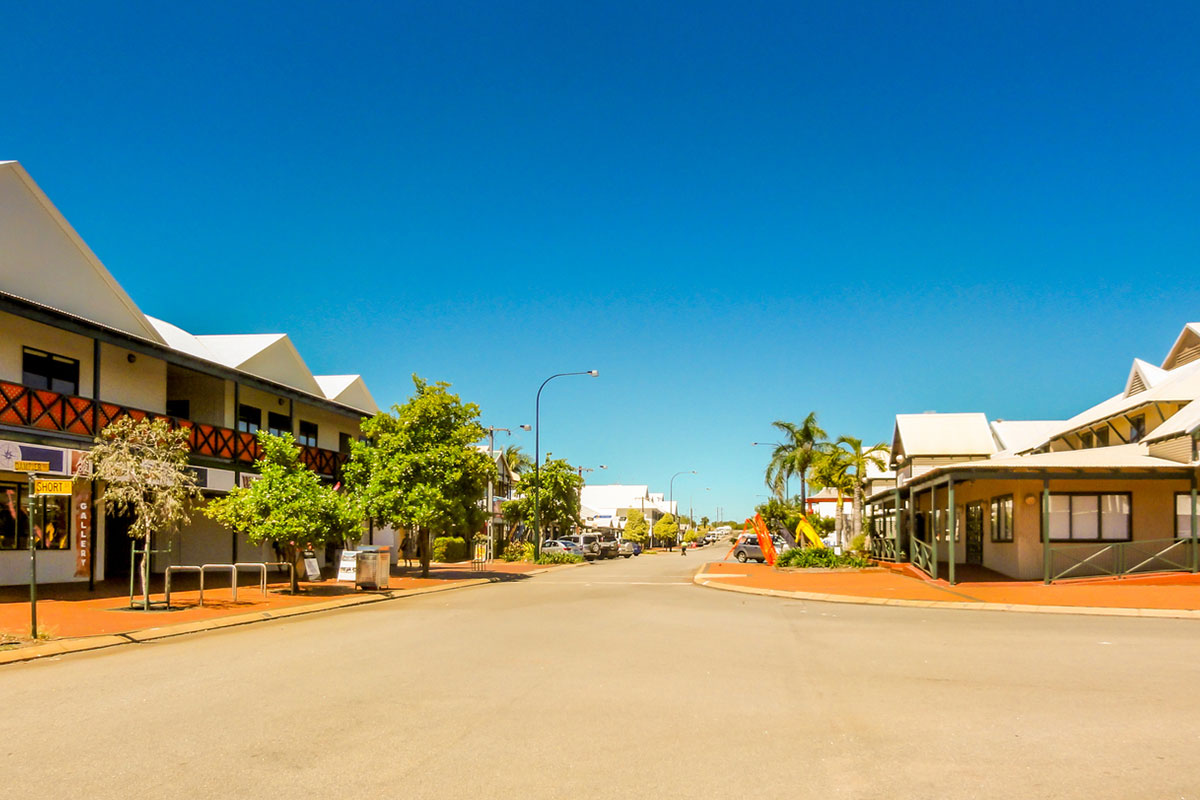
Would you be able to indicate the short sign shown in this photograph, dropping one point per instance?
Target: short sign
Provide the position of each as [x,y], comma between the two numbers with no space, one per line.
[31,466]
[312,570]
[348,566]
[53,487]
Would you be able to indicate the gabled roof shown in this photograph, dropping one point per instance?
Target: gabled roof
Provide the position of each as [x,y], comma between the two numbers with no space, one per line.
[616,495]
[349,389]
[44,260]
[942,435]
[1186,348]
[1015,435]
[1143,376]
[268,355]
[179,339]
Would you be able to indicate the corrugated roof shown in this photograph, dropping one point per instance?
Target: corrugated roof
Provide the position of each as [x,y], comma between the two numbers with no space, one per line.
[943,434]
[1015,435]
[1183,422]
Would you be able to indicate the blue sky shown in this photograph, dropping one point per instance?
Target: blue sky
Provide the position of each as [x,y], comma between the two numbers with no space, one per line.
[737,212]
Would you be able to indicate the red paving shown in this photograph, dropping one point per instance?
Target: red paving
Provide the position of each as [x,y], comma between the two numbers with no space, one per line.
[1180,591]
[70,610]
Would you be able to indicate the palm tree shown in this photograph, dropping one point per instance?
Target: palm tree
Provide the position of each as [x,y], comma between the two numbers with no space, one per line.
[859,460]
[795,455]
[831,470]
[518,462]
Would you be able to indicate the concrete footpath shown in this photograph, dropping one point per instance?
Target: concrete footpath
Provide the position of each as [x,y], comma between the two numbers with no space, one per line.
[105,621]
[1173,595]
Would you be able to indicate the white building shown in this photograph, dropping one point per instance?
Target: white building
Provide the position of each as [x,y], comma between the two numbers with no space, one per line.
[608,505]
[76,352]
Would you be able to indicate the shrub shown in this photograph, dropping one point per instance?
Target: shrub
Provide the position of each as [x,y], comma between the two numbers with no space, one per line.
[448,549]
[559,558]
[859,543]
[518,551]
[824,557]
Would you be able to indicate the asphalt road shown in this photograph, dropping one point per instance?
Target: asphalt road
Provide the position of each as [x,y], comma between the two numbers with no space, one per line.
[618,680]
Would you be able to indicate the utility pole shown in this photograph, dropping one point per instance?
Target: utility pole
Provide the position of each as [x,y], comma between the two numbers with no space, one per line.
[490,489]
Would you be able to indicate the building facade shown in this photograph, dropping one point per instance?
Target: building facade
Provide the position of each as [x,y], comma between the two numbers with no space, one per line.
[76,353]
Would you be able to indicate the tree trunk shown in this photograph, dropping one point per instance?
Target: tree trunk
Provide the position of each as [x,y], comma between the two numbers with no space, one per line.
[145,573]
[293,554]
[857,511]
[426,540]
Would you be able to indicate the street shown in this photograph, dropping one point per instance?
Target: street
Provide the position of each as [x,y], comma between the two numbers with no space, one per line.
[615,680]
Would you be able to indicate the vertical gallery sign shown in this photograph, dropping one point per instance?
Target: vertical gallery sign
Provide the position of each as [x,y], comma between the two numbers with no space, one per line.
[81,500]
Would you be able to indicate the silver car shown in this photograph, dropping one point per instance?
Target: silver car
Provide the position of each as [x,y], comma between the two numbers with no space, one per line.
[626,549]
[561,546]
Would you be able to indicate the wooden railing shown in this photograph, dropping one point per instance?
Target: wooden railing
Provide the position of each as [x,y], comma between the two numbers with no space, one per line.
[24,407]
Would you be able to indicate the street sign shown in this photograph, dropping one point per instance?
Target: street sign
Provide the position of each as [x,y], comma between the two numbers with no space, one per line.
[31,466]
[52,487]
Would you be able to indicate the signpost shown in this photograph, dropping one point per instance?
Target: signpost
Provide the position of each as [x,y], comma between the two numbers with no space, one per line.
[38,487]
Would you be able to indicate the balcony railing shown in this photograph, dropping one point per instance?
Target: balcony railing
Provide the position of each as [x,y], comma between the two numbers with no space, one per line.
[24,407]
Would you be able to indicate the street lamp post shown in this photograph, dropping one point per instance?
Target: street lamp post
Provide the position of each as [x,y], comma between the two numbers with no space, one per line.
[672,497]
[537,476]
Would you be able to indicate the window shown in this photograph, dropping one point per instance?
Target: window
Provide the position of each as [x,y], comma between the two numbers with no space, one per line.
[308,433]
[1137,428]
[1002,519]
[179,408]
[1183,515]
[41,370]
[1085,439]
[278,424]
[51,520]
[1090,517]
[1102,437]
[249,419]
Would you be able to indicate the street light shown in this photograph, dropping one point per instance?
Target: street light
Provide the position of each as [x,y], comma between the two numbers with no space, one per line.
[672,486]
[537,477]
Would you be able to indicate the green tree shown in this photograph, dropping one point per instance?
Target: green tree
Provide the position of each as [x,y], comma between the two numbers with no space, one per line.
[418,469]
[558,499]
[636,527]
[831,470]
[144,468]
[704,522]
[860,461]
[795,455]
[288,505]
[666,530]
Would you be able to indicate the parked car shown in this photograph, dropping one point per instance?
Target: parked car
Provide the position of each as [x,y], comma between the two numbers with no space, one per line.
[561,546]
[747,549]
[628,549]
[609,546]
[588,543]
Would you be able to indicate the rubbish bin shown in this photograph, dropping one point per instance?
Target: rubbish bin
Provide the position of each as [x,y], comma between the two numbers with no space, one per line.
[372,567]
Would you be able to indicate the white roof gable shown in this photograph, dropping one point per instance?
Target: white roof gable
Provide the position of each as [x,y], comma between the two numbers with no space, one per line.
[43,259]
[942,435]
[1143,376]
[349,390]
[179,339]
[267,355]
[616,495]
[1186,348]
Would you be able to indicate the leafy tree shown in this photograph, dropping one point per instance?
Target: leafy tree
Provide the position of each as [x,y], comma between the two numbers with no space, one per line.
[776,513]
[288,504]
[704,522]
[636,527]
[144,468]
[832,470]
[860,461]
[518,460]
[558,498]
[795,455]
[418,468]
[666,529]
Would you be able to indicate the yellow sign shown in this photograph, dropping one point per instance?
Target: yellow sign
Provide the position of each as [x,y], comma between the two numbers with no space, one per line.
[31,466]
[51,487]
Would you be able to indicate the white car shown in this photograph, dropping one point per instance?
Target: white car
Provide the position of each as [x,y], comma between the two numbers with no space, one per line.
[561,546]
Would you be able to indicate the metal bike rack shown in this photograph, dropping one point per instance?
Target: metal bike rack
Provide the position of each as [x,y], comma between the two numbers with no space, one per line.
[261,566]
